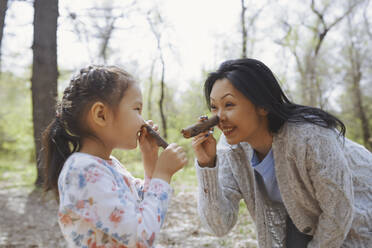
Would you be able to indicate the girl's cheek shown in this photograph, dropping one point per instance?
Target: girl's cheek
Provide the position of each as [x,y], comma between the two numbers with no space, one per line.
[141,120]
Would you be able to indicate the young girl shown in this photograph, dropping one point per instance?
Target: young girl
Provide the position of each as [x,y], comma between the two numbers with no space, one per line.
[100,203]
[304,183]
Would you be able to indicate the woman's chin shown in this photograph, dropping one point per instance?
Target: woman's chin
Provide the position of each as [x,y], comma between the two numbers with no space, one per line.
[232,141]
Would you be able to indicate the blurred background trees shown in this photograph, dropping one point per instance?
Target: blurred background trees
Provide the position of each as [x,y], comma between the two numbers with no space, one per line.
[320,50]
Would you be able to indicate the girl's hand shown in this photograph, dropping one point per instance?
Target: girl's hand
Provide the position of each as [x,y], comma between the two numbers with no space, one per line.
[172,159]
[149,149]
[204,145]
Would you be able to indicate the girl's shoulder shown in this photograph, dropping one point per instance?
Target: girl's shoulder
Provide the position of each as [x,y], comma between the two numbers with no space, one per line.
[79,161]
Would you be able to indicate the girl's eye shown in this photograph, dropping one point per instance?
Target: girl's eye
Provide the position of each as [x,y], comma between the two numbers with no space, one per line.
[138,109]
[229,104]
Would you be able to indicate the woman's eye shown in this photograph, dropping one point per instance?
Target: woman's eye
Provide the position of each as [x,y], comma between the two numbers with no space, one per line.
[213,107]
[229,104]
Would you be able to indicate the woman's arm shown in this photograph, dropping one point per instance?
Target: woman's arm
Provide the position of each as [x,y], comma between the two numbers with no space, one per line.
[219,194]
[332,180]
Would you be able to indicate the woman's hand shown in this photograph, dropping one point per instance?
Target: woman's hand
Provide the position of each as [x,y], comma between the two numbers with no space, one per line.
[204,145]
[149,149]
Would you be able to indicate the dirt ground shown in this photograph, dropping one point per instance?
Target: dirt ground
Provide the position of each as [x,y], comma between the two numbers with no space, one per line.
[26,220]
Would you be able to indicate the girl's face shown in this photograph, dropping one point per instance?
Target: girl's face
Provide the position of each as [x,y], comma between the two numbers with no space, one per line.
[240,119]
[127,120]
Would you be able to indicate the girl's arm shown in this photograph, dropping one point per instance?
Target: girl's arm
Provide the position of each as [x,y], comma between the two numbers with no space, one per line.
[95,194]
[219,194]
[332,180]
[149,149]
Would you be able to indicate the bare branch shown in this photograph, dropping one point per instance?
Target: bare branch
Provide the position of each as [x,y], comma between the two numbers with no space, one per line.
[366,21]
[320,15]
[350,9]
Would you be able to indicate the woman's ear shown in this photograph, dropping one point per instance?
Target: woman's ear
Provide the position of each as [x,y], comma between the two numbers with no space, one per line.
[262,111]
[99,114]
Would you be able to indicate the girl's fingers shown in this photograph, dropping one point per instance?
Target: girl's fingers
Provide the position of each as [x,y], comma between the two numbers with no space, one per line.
[179,149]
[155,127]
[150,123]
[142,133]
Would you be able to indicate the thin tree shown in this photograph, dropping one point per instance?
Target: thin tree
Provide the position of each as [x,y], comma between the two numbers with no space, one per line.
[244,29]
[356,58]
[150,90]
[307,65]
[155,24]
[248,28]
[367,19]
[100,22]
[44,71]
[3,8]
[320,33]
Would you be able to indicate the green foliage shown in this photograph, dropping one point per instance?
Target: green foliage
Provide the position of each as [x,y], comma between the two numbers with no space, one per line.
[16,132]
[348,116]
[18,173]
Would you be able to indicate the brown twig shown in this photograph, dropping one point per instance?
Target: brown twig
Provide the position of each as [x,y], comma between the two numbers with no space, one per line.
[159,140]
[198,128]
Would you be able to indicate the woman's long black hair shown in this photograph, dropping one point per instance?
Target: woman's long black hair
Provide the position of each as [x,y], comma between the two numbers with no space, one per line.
[256,81]
[64,134]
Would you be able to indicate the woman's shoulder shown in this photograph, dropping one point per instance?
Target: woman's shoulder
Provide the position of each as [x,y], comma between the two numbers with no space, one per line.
[305,131]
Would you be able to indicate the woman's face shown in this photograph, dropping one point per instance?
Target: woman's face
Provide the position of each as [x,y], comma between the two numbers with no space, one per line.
[240,119]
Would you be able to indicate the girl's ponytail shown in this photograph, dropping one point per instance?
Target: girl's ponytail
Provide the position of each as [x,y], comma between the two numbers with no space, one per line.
[65,133]
[58,145]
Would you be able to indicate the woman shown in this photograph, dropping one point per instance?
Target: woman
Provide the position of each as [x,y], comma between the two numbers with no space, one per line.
[303,182]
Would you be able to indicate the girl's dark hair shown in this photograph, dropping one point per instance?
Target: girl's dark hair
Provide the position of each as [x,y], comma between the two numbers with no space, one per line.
[256,81]
[64,134]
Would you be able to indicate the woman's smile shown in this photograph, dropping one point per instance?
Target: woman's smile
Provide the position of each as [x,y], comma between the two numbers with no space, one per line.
[227,130]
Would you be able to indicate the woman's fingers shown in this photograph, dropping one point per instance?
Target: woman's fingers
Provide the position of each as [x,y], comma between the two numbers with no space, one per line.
[199,139]
[203,118]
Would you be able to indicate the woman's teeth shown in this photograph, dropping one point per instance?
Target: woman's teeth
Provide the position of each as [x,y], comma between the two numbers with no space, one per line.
[228,131]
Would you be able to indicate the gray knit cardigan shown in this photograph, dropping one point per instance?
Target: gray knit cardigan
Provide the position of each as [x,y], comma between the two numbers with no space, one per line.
[325,182]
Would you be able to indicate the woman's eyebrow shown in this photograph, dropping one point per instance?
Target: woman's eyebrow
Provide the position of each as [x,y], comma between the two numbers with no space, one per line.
[224,96]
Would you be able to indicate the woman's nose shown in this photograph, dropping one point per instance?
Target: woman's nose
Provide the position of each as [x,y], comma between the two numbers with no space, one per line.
[221,114]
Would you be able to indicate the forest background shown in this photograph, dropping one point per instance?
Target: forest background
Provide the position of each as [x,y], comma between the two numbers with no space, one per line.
[320,50]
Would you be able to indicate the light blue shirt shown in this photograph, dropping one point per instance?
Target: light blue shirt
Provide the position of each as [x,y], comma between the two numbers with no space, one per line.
[266,168]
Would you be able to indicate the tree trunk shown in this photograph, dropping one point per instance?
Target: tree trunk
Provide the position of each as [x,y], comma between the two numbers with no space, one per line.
[360,112]
[150,90]
[3,8]
[155,30]
[356,76]
[44,72]
[161,101]
[244,30]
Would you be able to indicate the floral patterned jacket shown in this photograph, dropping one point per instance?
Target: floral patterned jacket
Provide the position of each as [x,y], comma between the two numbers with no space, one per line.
[103,205]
